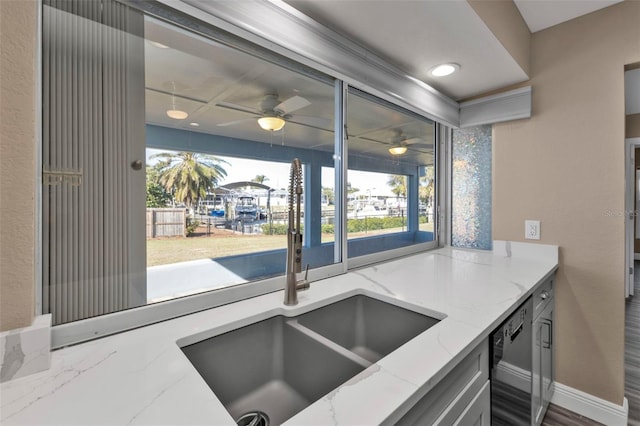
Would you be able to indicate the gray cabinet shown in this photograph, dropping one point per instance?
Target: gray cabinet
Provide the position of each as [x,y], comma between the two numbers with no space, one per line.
[542,346]
[477,413]
[460,398]
[463,397]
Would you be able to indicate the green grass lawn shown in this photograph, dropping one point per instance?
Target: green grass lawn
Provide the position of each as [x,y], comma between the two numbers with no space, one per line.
[221,243]
[161,251]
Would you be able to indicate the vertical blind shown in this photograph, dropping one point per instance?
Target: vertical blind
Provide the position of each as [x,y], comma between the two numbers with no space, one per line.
[93,129]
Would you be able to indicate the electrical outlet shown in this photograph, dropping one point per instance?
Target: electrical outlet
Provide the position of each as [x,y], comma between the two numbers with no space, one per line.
[532,229]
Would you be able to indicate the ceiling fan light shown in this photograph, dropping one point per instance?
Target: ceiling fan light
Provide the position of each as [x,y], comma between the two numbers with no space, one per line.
[272,124]
[398,150]
[177,114]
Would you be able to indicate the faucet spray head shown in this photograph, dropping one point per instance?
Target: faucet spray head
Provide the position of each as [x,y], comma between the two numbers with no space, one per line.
[294,237]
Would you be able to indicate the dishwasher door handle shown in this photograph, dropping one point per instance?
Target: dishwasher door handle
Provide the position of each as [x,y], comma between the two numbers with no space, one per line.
[517,331]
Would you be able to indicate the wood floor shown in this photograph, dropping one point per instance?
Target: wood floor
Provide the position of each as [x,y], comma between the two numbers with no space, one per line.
[632,352]
[558,416]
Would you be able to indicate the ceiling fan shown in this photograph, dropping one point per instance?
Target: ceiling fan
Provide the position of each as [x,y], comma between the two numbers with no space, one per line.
[273,113]
[400,143]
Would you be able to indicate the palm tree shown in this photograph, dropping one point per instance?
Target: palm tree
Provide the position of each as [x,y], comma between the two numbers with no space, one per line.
[260,179]
[398,184]
[427,185]
[351,189]
[189,175]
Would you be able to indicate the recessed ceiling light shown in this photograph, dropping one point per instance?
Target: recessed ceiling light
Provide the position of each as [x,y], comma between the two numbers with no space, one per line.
[158,45]
[444,69]
[176,114]
[194,124]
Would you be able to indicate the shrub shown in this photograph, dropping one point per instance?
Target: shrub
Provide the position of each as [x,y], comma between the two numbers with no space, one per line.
[375,223]
[192,225]
[276,229]
[353,225]
[328,228]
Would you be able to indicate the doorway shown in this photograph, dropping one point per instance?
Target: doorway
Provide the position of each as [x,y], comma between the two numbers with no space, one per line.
[632,204]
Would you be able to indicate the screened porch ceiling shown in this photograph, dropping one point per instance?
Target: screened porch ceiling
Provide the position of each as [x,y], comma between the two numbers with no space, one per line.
[225,91]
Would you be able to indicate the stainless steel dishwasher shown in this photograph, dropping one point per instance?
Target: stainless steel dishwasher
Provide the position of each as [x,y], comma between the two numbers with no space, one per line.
[522,367]
[511,369]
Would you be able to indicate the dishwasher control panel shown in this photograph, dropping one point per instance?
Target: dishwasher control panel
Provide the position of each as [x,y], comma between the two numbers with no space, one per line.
[514,326]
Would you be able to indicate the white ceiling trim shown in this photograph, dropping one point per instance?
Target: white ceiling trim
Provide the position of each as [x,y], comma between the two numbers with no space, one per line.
[512,105]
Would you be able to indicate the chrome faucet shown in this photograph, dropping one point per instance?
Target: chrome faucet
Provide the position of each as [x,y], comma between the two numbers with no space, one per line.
[294,238]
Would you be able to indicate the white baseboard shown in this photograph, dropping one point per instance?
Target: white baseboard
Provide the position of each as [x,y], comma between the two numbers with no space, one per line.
[514,376]
[591,406]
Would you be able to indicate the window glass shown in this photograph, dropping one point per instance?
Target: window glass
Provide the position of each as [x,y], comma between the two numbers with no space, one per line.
[390,179]
[471,188]
[328,204]
[238,215]
[167,160]
[227,95]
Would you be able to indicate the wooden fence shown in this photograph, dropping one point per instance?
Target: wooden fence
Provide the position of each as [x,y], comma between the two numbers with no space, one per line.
[166,223]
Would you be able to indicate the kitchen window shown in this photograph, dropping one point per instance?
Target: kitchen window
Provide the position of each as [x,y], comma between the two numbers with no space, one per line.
[390,151]
[161,181]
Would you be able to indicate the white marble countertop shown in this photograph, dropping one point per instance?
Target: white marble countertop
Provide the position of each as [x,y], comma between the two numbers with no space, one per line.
[141,377]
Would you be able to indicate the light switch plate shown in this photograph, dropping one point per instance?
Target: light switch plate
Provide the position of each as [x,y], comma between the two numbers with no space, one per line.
[532,229]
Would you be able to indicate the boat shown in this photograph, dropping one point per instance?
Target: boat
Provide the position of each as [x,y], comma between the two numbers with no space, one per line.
[246,208]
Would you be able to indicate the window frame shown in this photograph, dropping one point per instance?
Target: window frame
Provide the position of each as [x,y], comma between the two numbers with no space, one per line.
[367,259]
[96,327]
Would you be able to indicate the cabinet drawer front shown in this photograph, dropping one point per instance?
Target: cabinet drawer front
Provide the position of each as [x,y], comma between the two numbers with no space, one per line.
[448,399]
[542,295]
[478,412]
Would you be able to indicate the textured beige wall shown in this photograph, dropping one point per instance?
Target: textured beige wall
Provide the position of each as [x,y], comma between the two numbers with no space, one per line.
[565,167]
[505,22]
[18,23]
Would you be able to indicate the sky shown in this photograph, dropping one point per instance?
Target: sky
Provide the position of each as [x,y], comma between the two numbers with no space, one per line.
[240,169]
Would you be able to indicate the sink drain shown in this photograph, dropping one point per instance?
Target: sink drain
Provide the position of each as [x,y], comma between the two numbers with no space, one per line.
[253,418]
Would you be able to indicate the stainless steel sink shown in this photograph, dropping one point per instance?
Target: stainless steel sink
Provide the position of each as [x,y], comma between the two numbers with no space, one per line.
[281,365]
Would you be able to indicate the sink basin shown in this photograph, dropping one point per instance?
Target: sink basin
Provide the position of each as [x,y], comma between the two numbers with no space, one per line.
[367,326]
[271,367]
[279,366]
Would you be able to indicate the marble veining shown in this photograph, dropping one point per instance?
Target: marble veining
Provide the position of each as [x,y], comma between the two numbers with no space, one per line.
[520,287]
[13,357]
[154,399]
[461,257]
[48,388]
[142,377]
[376,283]
[26,350]
[442,344]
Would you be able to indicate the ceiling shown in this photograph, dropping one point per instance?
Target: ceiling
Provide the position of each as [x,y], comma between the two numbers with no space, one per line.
[418,35]
[224,91]
[541,14]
